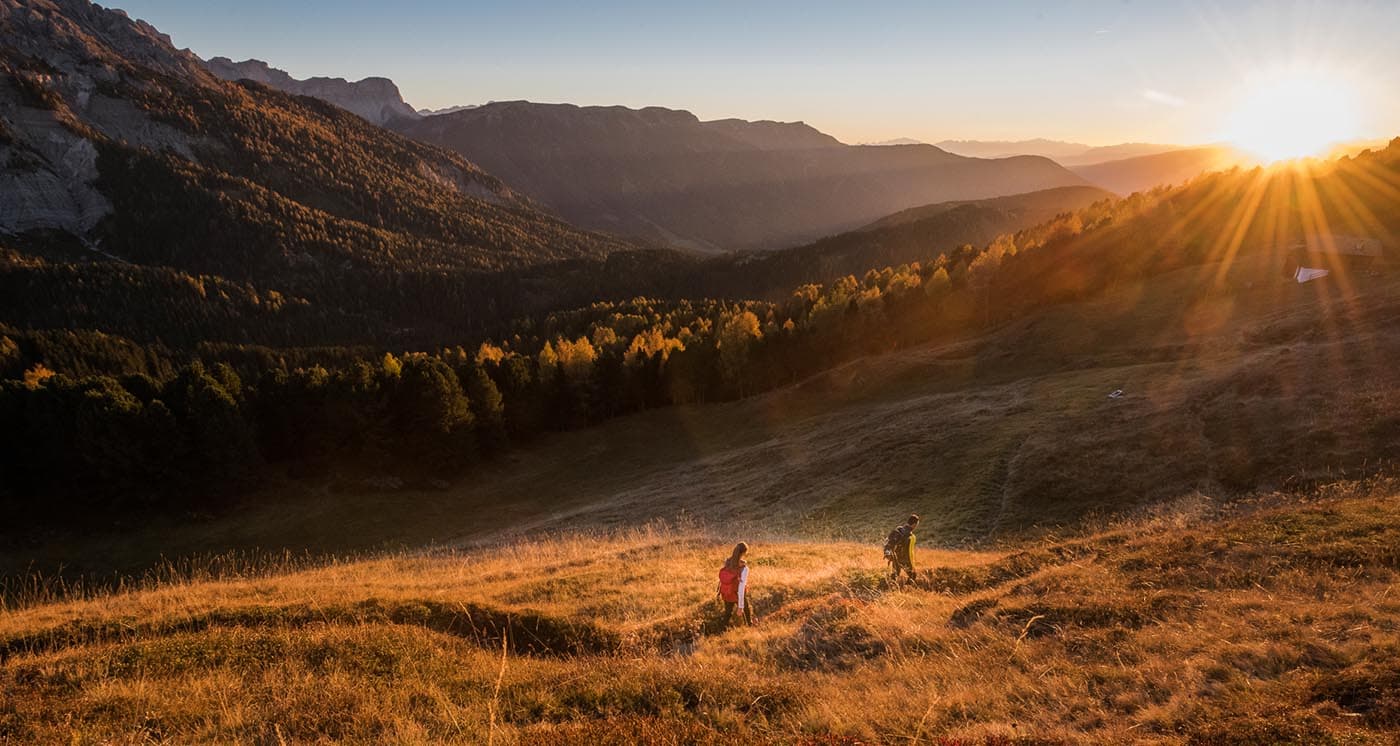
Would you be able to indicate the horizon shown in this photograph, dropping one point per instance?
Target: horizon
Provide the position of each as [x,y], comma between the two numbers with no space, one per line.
[1098,74]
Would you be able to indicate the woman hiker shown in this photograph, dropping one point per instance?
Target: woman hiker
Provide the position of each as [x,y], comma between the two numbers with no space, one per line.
[733,583]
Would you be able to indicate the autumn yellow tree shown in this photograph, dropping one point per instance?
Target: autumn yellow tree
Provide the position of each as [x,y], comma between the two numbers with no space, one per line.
[37,375]
[737,335]
[576,357]
[938,284]
[489,353]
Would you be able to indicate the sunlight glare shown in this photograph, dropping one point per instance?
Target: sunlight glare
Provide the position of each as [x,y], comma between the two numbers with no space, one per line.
[1293,113]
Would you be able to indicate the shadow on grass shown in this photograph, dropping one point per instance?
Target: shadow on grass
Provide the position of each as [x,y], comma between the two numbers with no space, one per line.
[527,633]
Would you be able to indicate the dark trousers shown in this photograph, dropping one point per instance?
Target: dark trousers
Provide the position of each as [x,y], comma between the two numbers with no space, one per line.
[729,613]
[907,567]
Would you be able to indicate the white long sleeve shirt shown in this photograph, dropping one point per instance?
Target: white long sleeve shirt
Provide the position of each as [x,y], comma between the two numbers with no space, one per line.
[743,584]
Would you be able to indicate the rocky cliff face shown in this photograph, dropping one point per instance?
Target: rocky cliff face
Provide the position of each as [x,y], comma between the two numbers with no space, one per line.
[47,179]
[61,62]
[375,99]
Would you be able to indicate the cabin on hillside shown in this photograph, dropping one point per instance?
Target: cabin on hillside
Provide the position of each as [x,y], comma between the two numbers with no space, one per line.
[1320,255]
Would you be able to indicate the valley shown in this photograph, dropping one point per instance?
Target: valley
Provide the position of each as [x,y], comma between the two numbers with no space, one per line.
[330,418]
[990,435]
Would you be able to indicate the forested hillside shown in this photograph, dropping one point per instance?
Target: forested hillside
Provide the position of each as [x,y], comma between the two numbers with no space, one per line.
[128,147]
[154,303]
[912,235]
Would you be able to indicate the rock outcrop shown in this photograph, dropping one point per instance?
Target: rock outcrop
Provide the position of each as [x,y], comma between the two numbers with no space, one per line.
[375,99]
[447,110]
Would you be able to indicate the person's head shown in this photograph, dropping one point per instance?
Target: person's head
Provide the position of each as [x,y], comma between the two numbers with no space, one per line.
[740,550]
[913,520]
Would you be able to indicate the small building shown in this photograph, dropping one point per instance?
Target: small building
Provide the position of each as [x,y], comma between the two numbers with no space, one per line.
[1321,255]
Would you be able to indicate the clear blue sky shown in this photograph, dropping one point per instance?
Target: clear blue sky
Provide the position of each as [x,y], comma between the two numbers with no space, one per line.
[1096,72]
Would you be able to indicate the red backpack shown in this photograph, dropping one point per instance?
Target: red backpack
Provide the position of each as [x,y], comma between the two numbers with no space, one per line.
[729,583]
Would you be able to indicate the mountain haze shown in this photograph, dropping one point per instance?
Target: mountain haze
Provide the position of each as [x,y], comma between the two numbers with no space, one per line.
[1105,153]
[915,235]
[1128,175]
[1064,153]
[666,176]
[1053,149]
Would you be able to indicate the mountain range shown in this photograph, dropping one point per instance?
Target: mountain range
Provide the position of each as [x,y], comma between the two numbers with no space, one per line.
[143,159]
[137,171]
[1124,168]
[666,176]
[1064,153]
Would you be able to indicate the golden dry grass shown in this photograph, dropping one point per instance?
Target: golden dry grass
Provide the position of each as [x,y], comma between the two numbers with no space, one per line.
[1266,621]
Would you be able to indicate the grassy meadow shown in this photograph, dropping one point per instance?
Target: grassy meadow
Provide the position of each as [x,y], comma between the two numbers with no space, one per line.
[1268,620]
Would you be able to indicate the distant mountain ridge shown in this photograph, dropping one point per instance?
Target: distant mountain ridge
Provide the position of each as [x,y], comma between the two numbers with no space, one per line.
[1106,153]
[898,141]
[375,99]
[445,110]
[1067,154]
[1053,149]
[665,176]
[1124,168]
[1141,173]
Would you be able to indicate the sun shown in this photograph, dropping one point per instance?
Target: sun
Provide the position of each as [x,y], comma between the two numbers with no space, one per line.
[1293,113]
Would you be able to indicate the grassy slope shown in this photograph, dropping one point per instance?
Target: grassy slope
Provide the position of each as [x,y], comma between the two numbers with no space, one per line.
[1262,622]
[1262,383]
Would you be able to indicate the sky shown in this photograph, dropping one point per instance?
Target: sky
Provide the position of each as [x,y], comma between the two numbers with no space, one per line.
[1097,72]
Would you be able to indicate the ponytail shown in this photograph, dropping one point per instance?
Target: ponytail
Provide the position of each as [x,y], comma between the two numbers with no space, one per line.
[737,558]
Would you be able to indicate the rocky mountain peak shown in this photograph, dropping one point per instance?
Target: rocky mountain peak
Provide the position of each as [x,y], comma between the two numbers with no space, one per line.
[375,99]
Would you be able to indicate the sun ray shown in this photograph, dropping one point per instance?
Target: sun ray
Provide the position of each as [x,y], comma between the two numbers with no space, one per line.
[1221,190]
[1355,208]
[1342,198]
[1318,236]
[1239,225]
[1383,180]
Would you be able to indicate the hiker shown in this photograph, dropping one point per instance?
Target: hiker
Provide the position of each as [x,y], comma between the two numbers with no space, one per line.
[899,547]
[733,583]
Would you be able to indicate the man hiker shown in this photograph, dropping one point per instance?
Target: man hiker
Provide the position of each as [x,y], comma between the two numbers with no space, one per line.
[899,547]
